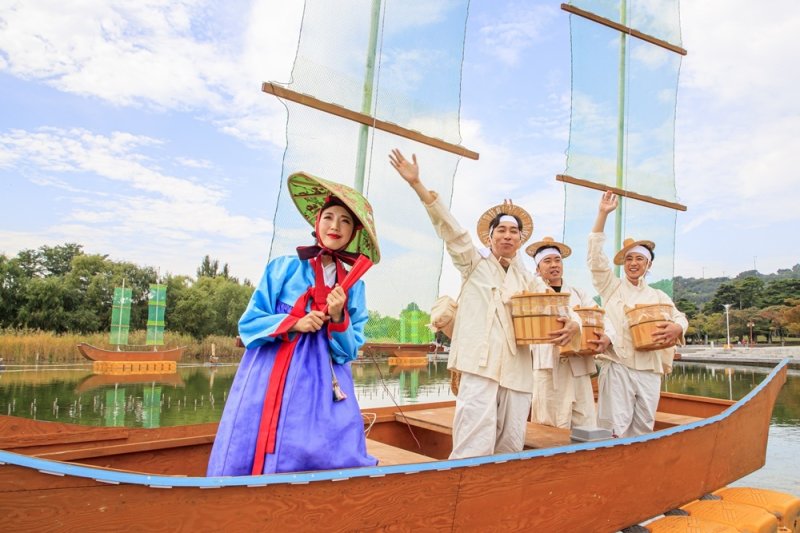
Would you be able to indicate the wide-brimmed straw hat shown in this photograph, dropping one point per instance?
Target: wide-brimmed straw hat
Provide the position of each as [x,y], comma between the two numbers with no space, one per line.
[506,208]
[309,194]
[548,242]
[627,245]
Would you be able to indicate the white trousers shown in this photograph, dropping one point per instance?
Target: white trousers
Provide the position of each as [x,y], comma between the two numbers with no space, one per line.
[561,399]
[627,399]
[489,418]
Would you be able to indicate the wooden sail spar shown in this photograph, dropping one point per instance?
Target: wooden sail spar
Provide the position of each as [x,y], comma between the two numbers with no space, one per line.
[621,192]
[367,120]
[624,30]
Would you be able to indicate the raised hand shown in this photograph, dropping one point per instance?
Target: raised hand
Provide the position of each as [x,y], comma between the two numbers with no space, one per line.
[608,202]
[408,170]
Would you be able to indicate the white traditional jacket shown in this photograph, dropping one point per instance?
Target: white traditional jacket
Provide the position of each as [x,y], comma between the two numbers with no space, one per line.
[483,340]
[617,293]
[546,355]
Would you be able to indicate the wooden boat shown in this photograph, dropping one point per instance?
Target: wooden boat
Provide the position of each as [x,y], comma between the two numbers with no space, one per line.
[68,477]
[93,353]
[120,319]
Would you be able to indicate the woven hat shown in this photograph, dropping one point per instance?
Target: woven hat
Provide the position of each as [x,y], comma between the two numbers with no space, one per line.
[506,208]
[548,242]
[627,245]
[309,194]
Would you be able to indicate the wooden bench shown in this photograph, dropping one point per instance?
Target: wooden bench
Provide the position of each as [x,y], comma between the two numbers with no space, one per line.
[388,455]
[672,419]
[536,435]
[441,420]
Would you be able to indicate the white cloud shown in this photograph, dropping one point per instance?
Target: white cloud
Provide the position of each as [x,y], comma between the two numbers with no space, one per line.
[144,208]
[159,55]
[737,148]
[516,30]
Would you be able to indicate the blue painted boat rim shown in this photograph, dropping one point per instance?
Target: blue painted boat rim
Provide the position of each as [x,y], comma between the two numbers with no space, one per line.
[59,468]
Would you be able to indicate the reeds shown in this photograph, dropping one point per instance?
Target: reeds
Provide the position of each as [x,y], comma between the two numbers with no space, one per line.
[27,346]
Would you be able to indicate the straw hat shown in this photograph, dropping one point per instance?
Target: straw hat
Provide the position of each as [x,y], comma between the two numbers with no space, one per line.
[309,193]
[506,208]
[548,242]
[627,245]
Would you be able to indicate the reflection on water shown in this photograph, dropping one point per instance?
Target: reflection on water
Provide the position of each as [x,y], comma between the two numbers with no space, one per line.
[196,394]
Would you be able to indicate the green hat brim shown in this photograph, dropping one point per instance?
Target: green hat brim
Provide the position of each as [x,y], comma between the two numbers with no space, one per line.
[309,193]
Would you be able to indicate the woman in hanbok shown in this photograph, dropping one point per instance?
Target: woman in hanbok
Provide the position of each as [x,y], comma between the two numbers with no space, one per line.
[292,406]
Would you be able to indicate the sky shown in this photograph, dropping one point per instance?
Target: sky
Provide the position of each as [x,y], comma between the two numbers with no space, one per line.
[139,130]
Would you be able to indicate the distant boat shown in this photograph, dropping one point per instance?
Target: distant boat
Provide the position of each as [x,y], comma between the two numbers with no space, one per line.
[120,323]
[94,353]
[83,477]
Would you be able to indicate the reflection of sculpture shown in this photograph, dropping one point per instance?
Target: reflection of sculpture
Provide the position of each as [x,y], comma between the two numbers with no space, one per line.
[151,407]
[115,407]
[413,382]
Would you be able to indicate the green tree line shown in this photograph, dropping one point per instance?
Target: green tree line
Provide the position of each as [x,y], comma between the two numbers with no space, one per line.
[766,306]
[62,289]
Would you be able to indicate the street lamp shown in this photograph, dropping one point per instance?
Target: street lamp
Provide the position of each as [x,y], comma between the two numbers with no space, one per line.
[727,325]
[750,324]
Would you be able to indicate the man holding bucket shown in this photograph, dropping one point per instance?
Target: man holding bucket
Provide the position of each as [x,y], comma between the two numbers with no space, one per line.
[562,385]
[630,378]
[494,395]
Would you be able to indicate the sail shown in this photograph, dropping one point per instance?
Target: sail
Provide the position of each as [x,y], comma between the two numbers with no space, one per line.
[397,62]
[120,316]
[626,58]
[155,314]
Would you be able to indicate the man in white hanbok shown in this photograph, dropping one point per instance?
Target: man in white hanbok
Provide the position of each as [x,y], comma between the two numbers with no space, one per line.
[494,395]
[630,380]
[562,384]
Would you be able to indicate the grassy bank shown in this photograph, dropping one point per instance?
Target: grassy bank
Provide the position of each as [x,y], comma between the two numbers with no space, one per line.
[32,346]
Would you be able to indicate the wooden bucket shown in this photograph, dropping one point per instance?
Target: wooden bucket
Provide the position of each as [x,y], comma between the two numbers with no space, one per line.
[591,329]
[644,320]
[534,315]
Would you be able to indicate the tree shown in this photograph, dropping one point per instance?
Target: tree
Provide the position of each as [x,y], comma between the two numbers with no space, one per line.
[13,287]
[687,307]
[57,260]
[210,268]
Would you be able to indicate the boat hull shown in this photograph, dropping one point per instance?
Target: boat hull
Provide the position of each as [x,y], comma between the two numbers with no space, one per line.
[93,353]
[601,486]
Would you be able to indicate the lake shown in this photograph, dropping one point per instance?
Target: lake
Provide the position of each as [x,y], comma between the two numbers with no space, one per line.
[195,394]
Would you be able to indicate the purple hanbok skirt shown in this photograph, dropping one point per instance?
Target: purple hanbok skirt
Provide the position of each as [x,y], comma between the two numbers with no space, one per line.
[314,432]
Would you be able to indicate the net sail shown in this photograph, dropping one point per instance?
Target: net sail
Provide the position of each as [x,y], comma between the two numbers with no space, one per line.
[157,303]
[624,92]
[120,316]
[397,61]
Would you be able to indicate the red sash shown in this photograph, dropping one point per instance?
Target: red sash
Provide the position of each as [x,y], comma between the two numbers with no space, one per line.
[270,414]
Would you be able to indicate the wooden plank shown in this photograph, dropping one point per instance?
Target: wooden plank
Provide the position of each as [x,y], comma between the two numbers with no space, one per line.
[12,442]
[621,192]
[361,118]
[441,420]
[392,455]
[133,447]
[624,29]
[391,503]
[673,419]
[540,436]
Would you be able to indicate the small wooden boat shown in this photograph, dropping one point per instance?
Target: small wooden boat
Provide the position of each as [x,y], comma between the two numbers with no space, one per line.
[66,477]
[93,353]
